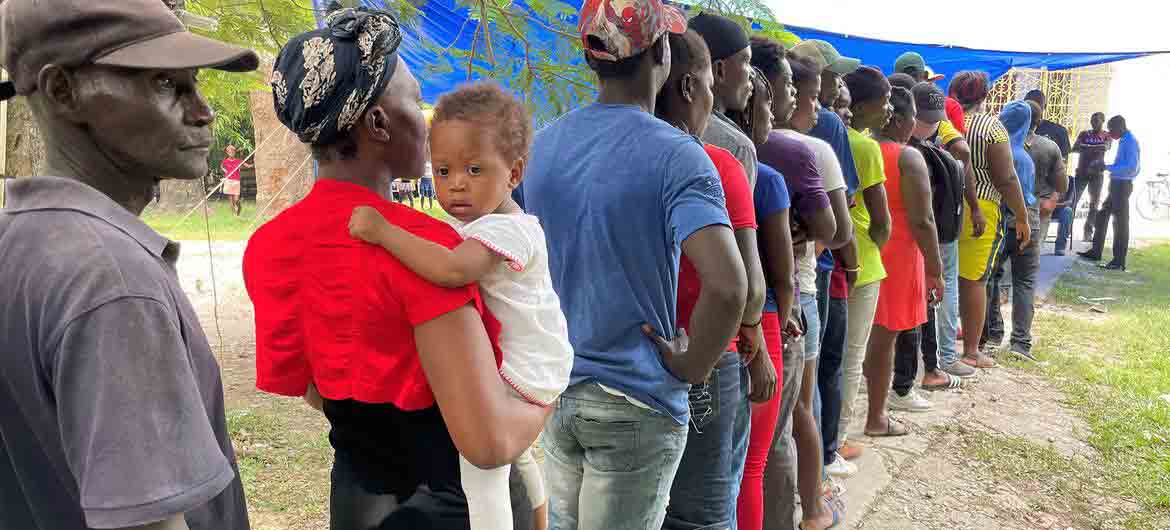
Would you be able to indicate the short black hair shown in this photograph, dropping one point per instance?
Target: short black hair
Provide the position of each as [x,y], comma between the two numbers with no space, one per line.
[1095,114]
[803,69]
[622,68]
[903,80]
[1037,112]
[688,55]
[1117,122]
[901,99]
[865,84]
[767,55]
[1036,95]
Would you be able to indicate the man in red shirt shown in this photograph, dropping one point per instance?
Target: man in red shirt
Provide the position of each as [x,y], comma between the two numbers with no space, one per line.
[408,371]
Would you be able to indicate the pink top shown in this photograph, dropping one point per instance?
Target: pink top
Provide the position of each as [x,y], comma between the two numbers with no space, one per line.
[231,168]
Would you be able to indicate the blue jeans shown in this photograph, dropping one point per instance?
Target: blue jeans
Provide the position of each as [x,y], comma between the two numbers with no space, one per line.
[812,319]
[1064,219]
[707,483]
[829,374]
[609,463]
[947,314]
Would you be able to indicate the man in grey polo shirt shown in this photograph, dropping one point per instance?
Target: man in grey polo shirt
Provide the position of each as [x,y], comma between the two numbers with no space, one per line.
[731,64]
[114,408]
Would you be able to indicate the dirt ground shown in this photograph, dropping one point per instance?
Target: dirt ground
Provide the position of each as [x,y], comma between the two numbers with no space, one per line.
[985,458]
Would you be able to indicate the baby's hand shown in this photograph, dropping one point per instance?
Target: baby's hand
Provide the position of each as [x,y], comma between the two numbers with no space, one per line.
[366,223]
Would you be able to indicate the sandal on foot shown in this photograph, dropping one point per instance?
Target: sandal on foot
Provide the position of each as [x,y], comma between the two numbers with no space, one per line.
[982,361]
[837,508]
[893,428]
[951,384]
[850,451]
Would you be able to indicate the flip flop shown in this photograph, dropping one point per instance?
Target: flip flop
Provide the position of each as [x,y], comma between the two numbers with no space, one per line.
[951,384]
[982,361]
[836,508]
[893,428]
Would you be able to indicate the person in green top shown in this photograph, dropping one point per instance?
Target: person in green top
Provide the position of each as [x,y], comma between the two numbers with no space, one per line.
[869,92]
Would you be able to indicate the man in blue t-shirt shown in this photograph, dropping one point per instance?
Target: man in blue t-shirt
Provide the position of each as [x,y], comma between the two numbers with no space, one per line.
[622,196]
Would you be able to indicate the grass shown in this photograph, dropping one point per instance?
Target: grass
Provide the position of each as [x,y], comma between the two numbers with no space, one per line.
[222,224]
[284,465]
[1054,483]
[1115,371]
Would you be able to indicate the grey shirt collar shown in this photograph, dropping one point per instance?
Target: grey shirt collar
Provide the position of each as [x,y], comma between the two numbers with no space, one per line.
[62,194]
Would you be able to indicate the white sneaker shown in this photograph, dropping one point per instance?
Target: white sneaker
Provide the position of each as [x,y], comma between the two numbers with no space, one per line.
[911,402]
[841,468]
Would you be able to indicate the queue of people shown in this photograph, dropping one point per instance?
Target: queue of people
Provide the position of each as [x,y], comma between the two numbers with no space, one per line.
[677,343]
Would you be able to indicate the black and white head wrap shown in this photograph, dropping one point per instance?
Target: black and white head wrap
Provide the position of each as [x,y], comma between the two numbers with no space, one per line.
[324,80]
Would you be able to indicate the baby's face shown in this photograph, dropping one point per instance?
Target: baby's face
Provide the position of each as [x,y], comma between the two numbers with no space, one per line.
[472,177]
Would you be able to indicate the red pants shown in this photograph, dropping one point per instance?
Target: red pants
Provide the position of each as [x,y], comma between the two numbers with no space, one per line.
[750,505]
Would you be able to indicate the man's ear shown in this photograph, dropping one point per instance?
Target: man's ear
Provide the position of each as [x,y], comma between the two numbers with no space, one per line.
[517,173]
[60,92]
[687,87]
[660,50]
[377,123]
[718,70]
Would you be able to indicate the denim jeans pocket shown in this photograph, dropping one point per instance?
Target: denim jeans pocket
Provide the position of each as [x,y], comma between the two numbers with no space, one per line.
[608,445]
[704,401]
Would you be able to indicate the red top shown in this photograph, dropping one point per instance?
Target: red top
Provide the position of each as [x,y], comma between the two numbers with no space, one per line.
[740,209]
[231,168]
[339,312]
[956,115]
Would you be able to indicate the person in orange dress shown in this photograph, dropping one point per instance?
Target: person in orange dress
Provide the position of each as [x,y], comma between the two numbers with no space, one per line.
[911,258]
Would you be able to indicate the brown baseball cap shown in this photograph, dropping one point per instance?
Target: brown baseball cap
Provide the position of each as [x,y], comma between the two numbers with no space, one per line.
[142,34]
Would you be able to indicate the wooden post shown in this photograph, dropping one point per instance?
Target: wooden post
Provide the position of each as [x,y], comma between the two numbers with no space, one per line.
[3,130]
[3,141]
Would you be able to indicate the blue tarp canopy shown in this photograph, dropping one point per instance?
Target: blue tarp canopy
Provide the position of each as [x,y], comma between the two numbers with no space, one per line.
[446,28]
[949,60]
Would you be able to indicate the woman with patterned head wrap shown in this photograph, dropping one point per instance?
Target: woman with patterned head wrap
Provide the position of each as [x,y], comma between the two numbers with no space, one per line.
[406,372]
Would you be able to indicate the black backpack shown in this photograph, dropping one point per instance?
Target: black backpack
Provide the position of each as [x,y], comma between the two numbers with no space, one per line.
[947,185]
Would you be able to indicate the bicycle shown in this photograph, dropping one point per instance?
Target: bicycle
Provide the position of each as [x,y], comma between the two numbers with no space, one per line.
[1154,201]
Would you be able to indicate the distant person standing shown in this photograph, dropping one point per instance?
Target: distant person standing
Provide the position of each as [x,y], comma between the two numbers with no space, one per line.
[426,188]
[913,65]
[1124,169]
[1025,259]
[231,167]
[1047,128]
[1051,177]
[1092,146]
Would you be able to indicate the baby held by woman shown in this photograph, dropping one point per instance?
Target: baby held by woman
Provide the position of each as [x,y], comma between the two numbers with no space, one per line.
[479,141]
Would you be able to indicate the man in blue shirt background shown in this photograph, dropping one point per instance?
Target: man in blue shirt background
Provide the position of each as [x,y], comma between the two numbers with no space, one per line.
[1122,172]
[621,196]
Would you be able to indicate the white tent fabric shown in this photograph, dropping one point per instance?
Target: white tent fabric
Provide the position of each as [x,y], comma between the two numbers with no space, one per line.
[1113,26]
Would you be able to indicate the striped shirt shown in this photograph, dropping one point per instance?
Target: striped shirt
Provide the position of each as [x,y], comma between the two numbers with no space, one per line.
[984,131]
